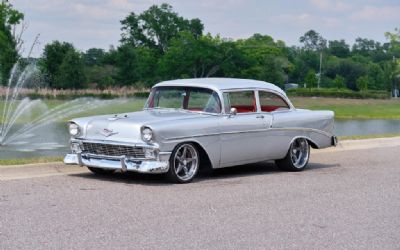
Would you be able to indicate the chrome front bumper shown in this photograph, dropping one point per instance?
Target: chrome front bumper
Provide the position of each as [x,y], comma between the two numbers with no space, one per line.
[123,164]
[158,163]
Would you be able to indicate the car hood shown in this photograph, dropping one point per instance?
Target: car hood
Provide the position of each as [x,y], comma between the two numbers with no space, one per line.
[126,127]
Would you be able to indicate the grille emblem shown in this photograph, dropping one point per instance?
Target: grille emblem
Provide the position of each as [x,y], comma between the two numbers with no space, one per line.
[108,132]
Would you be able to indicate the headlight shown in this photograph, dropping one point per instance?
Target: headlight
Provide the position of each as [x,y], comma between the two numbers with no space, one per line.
[147,134]
[74,129]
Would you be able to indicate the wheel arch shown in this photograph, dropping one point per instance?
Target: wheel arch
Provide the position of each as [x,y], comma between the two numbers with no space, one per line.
[310,141]
[205,161]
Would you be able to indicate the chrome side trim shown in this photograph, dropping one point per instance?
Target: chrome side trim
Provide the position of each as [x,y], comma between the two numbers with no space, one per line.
[305,130]
[254,131]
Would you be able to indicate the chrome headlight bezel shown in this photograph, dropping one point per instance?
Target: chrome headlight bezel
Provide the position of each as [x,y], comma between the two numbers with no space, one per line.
[147,134]
[74,129]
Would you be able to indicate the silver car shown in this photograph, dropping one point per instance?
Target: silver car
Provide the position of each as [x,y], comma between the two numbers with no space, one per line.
[190,124]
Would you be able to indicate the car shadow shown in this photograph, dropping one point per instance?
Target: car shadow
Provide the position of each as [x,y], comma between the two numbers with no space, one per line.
[254,169]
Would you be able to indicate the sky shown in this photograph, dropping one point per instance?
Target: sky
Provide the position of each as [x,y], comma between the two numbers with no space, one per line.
[96,23]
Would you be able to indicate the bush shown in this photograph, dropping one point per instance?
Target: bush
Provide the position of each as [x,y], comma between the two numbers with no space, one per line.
[60,94]
[339,93]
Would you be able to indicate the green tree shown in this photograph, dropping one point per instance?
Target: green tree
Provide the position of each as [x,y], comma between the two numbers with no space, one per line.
[266,59]
[311,79]
[339,48]
[71,72]
[101,76]
[9,18]
[94,56]
[363,82]
[189,56]
[364,46]
[156,26]
[312,40]
[394,38]
[63,65]
[339,82]
[52,58]
[135,64]
[302,61]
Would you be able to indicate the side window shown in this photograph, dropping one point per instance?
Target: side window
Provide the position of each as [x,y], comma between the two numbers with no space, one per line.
[243,101]
[204,101]
[270,102]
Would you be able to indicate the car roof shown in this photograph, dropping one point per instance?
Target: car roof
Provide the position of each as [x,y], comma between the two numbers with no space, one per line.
[222,84]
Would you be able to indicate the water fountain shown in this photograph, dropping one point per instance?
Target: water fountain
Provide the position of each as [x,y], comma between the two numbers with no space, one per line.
[31,128]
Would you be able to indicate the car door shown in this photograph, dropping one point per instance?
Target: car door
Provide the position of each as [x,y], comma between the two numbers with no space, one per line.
[275,106]
[241,137]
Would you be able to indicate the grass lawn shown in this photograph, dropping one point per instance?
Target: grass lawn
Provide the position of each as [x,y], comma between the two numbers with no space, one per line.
[352,108]
[343,108]
[22,161]
[118,107]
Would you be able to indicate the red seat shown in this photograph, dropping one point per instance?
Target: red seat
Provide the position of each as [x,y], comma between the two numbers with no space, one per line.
[244,108]
[269,108]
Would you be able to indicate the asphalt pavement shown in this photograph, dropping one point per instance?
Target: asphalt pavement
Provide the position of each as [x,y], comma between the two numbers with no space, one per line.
[348,198]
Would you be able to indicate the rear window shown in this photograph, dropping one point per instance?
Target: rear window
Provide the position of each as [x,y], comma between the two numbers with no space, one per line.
[270,102]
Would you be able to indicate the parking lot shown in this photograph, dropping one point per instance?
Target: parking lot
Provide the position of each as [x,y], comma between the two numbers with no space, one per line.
[347,199]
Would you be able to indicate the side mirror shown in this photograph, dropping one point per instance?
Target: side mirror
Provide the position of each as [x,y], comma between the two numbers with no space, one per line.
[232,112]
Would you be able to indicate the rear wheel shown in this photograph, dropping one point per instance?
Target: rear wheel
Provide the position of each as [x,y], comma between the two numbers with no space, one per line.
[297,156]
[184,163]
[101,171]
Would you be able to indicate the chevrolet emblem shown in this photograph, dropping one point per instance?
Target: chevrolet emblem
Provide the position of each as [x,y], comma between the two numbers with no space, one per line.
[108,132]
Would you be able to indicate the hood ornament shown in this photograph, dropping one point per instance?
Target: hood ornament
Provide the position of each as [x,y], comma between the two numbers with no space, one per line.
[108,132]
[116,117]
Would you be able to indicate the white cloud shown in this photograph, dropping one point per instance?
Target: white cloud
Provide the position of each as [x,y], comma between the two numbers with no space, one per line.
[377,14]
[332,22]
[301,18]
[331,5]
[97,12]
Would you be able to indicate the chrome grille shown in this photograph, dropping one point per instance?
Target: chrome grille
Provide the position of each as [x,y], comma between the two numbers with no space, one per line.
[112,150]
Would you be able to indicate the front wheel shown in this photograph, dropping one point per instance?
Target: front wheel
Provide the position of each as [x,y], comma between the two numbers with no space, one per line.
[297,156]
[184,163]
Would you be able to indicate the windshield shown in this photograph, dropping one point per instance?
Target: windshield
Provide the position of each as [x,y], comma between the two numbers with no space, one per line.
[187,98]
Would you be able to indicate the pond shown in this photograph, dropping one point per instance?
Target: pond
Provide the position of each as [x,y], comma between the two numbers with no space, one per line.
[366,127]
[57,132]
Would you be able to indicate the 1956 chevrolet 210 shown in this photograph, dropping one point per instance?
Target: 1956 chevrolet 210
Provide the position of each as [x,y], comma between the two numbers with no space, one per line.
[192,123]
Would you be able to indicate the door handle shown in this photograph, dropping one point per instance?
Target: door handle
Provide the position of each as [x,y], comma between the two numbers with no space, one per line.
[260,117]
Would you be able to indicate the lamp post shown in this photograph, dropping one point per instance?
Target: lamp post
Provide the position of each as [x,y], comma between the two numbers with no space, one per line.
[320,68]
[395,90]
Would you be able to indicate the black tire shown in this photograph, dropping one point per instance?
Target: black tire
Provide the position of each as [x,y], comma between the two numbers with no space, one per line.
[179,169]
[101,171]
[297,156]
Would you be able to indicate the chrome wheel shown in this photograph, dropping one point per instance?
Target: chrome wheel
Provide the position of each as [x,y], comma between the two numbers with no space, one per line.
[297,156]
[299,153]
[186,162]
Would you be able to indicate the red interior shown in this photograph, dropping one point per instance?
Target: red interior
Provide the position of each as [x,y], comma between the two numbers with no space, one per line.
[269,108]
[244,108]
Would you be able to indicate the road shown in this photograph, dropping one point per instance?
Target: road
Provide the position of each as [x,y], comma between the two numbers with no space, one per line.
[348,198]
